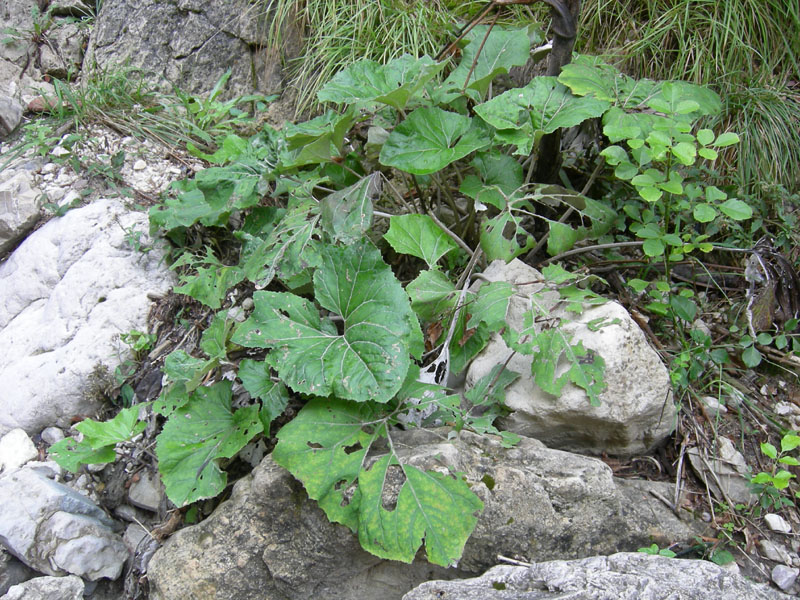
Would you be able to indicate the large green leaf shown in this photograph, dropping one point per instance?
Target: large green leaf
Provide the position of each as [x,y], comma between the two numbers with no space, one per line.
[326,447]
[504,238]
[439,508]
[347,214]
[542,106]
[196,436]
[369,359]
[503,49]
[432,138]
[394,83]
[490,304]
[420,236]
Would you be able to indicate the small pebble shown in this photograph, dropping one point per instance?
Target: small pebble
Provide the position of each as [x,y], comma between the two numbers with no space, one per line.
[16,448]
[139,165]
[774,552]
[714,405]
[784,408]
[777,523]
[248,304]
[52,435]
[784,577]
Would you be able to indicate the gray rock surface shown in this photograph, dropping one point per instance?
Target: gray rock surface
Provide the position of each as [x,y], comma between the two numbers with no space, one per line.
[10,115]
[56,530]
[270,541]
[66,293]
[62,54]
[12,571]
[191,43]
[19,207]
[636,411]
[622,576]
[47,588]
[724,470]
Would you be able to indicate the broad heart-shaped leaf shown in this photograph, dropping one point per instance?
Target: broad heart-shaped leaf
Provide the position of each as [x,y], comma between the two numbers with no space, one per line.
[394,83]
[369,359]
[503,49]
[543,105]
[347,214]
[587,75]
[432,138]
[119,429]
[196,436]
[418,236]
[439,508]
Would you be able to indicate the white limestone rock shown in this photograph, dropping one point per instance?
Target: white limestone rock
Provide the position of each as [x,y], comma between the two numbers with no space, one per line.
[636,411]
[66,294]
[19,209]
[57,531]
[47,588]
[16,448]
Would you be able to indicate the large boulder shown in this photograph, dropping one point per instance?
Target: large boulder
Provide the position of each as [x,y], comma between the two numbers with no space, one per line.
[191,43]
[631,576]
[48,588]
[636,411]
[270,541]
[66,294]
[56,530]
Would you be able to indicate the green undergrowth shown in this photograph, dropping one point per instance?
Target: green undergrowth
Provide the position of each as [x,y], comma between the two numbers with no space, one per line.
[359,236]
[747,50]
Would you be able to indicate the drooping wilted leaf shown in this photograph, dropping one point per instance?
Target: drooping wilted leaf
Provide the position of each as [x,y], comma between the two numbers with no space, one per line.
[347,213]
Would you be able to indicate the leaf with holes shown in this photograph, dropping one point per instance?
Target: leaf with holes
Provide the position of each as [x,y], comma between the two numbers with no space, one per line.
[587,75]
[196,436]
[369,358]
[418,236]
[490,305]
[432,138]
[119,429]
[438,508]
[324,446]
[394,83]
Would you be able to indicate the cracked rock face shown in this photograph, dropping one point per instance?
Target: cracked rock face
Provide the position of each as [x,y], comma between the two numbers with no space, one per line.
[214,37]
[66,294]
